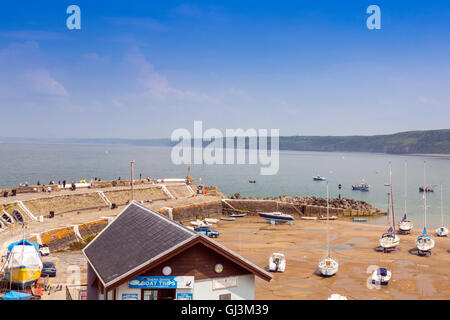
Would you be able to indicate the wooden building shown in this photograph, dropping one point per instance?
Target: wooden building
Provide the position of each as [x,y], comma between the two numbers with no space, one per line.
[142,255]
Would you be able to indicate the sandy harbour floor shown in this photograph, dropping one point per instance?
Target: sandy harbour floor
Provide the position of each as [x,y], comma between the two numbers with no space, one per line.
[353,244]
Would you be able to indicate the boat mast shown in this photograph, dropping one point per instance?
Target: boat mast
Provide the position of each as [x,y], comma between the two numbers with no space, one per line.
[392,197]
[442,208]
[328,224]
[405,191]
[424,196]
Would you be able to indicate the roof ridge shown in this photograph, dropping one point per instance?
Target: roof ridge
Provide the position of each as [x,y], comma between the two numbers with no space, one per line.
[161,216]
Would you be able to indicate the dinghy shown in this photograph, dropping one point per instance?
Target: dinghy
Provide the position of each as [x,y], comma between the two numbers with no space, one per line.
[277,262]
[405,225]
[210,220]
[308,218]
[228,218]
[327,218]
[442,231]
[381,276]
[359,219]
[424,242]
[199,223]
[328,266]
[238,214]
[389,239]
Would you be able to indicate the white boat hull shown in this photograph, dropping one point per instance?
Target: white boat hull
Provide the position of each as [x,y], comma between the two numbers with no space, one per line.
[277,262]
[328,267]
[378,279]
[425,246]
[405,225]
[388,242]
[442,232]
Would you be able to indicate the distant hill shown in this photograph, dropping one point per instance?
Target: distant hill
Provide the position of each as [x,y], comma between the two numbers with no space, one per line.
[421,142]
[424,142]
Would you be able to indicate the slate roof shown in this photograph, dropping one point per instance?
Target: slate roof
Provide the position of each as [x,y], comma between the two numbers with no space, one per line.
[136,236]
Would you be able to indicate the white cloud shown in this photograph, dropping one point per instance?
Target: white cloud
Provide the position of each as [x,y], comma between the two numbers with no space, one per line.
[40,81]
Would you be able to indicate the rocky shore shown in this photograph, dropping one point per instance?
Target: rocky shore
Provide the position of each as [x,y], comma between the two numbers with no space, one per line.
[343,203]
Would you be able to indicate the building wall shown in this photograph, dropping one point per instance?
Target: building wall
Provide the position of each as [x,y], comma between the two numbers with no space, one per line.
[245,290]
[203,290]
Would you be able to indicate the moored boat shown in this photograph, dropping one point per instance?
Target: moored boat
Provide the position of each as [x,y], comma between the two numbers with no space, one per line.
[228,218]
[277,262]
[319,178]
[381,276]
[276,216]
[405,225]
[328,267]
[238,214]
[424,242]
[442,231]
[308,218]
[359,219]
[360,187]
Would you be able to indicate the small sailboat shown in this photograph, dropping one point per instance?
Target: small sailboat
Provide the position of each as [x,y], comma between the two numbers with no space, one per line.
[277,262]
[424,242]
[442,231]
[319,178]
[276,217]
[381,276]
[405,225]
[23,263]
[328,267]
[390,240]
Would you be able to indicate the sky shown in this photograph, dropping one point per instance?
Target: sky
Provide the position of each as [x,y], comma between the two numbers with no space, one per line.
[141,69]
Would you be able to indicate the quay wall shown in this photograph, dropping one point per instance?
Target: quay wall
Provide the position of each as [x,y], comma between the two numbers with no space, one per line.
[252,207]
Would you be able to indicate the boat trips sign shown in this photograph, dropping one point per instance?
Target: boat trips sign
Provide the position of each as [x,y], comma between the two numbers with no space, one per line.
[150,282]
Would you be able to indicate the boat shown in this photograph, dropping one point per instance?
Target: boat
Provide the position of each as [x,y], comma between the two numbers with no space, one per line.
[426,189]
[23,263]
[319,178]
[199,223]
[328,267]
[405,225]
[277,262]
[227,218]
[308,218]
[361,187]
[389,239]
[327,218]
[251,181]
[442,231]
[210,220]
[337,296]
[16,295]
[424,242]
[274,217]
[359,219]
[238,214]
[381,276]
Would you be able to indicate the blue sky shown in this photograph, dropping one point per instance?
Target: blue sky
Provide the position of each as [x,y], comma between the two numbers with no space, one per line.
[140,69]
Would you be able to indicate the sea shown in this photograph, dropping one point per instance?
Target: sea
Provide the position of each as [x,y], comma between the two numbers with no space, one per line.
[32,162]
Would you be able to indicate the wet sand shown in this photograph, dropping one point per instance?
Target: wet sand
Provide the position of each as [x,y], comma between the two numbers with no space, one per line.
[354,246]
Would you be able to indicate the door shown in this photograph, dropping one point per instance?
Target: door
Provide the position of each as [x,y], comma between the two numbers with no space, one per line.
[158,294]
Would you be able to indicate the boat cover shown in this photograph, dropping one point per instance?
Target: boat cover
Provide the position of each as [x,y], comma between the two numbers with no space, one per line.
[382,272]
[15,295]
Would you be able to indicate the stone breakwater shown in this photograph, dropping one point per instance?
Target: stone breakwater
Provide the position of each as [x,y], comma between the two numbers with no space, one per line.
[344,203]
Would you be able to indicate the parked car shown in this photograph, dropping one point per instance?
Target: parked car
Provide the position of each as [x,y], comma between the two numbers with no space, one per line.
[48,269]
[44,250]
[207,232]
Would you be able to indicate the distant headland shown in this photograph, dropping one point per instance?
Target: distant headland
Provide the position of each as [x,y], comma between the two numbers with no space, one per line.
[409,142]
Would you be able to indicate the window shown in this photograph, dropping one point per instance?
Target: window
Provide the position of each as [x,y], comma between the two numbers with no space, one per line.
[225,296]
[150,295]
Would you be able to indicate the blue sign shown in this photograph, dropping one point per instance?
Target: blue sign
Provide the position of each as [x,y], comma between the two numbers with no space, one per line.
[129,296]
[184,296]
[156,282]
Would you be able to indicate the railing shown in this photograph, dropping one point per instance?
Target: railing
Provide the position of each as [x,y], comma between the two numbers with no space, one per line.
[76,292]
